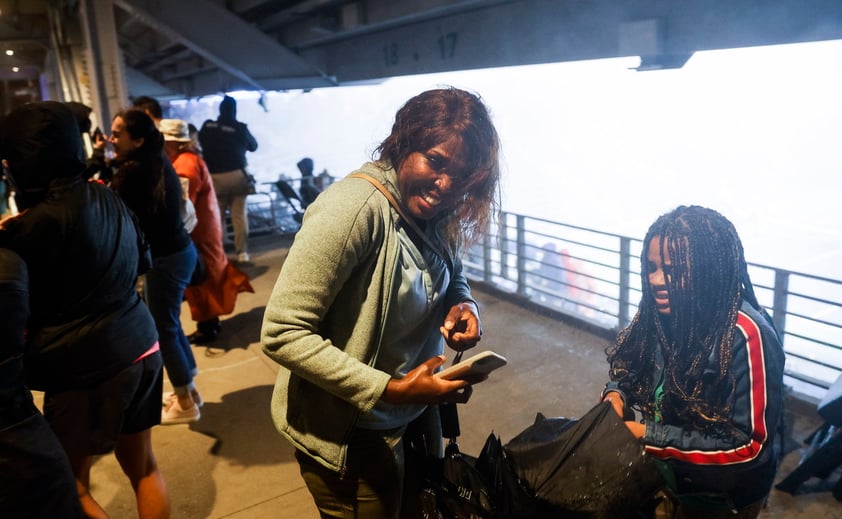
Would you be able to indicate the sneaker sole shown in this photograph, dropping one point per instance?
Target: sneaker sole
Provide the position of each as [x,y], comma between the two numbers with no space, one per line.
[182,420]
[197,399]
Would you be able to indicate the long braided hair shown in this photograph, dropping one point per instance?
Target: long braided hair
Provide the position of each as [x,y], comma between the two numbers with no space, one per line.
[707,283]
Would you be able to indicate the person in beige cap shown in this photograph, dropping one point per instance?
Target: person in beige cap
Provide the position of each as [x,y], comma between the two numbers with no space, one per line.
[216,294]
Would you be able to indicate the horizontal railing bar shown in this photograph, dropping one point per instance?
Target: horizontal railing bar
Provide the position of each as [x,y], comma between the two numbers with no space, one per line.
[814,320]
[812,361]
[807,379]
[815,341]
[814,299]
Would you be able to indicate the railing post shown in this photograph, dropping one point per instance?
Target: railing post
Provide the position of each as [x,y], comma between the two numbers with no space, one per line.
[504,246]
[779,302]
[486,255]
[625,276]
[521,255]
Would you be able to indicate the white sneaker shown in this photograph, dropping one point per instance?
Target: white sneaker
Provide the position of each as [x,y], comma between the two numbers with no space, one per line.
[243,257]
[197,398]
[173,413]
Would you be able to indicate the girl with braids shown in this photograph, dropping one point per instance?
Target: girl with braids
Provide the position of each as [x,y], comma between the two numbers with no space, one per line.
[369,294]
[703,365]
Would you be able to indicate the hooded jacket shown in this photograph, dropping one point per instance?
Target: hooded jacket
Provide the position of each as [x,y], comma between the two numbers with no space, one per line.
[87,321]
[80,245]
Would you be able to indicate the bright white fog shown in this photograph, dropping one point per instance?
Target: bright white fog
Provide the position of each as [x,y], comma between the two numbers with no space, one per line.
[754,133]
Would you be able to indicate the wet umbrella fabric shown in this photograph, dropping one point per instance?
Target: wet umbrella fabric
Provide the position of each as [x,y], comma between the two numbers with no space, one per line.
[463,487]
[510,496]
[591,467]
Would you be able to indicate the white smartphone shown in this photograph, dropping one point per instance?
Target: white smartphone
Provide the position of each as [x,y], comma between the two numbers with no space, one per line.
[480,364]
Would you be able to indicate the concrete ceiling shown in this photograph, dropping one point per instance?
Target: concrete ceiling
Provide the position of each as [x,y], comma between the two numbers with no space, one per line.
[189,48]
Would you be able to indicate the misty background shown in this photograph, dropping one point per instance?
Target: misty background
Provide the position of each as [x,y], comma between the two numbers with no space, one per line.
[753,133]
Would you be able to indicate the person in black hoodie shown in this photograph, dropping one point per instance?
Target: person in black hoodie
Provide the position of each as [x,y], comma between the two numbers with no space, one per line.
[91,343]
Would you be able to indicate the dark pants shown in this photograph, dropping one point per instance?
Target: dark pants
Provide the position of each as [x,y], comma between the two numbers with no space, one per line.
[670,509]
[380,476]
[373,484]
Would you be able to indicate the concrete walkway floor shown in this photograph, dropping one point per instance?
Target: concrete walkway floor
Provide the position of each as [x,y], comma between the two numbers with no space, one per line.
[232,464]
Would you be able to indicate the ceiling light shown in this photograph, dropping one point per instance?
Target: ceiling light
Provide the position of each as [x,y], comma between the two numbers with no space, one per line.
[10,52]
[15,69]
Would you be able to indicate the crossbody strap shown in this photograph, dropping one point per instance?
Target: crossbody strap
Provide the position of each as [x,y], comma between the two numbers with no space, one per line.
[411,223]
[449,415]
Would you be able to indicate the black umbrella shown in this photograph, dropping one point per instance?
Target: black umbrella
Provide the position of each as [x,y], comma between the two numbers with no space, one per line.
[591,467]
[510,496]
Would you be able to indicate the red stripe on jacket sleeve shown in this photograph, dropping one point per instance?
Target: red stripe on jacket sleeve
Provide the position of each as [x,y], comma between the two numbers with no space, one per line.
[757,401]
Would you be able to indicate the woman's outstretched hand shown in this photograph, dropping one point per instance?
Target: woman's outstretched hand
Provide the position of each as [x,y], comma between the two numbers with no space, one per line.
[616,401]
[421,386]
[462,328]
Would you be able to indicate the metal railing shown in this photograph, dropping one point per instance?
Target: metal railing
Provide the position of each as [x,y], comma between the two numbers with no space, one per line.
[268,212]
[594,277]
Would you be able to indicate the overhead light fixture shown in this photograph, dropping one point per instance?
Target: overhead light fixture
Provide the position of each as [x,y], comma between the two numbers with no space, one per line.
[15,69]
[10,52]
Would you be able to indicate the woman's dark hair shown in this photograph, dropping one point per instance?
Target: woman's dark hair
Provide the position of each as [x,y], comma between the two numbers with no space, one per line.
[440,116]
[709,280]
[140,174]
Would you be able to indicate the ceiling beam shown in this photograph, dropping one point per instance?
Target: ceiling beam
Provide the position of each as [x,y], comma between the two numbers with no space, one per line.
[473,34]
[252,57]
[141,84]
[393,39]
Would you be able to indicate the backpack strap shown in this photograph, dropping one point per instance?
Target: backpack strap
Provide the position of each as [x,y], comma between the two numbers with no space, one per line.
[409,221]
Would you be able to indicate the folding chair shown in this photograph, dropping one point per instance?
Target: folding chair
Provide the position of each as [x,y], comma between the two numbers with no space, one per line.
[824,451]
[292,198]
